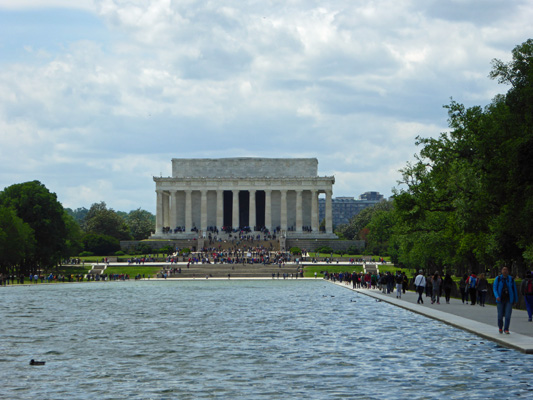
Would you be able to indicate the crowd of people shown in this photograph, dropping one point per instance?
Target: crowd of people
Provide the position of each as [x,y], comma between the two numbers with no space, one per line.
[385,282]
[473,289]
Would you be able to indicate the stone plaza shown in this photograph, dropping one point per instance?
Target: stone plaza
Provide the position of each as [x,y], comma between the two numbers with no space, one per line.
[243,194]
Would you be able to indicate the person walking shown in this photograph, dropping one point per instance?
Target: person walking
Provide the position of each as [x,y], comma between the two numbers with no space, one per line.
[429,287]
[471,283]
[482,287]
[436,288]
[399,281]
[368,280]
[448,285]
[527,290]
[463,288]
[420,285]
[504,289]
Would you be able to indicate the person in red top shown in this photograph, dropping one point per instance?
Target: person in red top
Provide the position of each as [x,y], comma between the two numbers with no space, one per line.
[368,280]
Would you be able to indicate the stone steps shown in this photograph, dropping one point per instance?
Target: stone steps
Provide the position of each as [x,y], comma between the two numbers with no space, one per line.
[236,270]
[97,269]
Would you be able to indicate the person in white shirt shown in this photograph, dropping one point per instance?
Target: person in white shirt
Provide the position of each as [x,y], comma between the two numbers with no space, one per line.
[420,284]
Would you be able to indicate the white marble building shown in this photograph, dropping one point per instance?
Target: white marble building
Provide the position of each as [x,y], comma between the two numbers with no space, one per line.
[271,193]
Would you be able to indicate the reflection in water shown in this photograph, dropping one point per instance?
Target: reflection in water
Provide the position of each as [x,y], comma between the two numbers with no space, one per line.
[239,339]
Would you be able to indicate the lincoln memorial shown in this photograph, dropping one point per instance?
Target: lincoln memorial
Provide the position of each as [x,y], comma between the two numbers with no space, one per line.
[251,194]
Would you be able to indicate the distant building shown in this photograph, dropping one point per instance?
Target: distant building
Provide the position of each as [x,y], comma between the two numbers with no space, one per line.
[345,208]
[242,194]
[371,196]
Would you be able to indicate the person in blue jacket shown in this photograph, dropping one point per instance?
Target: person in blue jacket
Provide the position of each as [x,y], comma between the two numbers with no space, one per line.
[506,295]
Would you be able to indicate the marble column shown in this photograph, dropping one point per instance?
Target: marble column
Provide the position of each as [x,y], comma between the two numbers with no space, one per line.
[283,215]
[220,209]
[159,212]
[235,214]
[299,222]
[329,213]
[188,211]
[173,209]
[314,211]
[268,209]
[166,209]
[203,212]
[251,219]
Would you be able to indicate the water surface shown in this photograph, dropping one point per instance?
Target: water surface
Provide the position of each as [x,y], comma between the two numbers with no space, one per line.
[276,339]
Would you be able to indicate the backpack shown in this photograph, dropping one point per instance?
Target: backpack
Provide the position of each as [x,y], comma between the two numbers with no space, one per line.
[529,287]
[505,296]
[472,282]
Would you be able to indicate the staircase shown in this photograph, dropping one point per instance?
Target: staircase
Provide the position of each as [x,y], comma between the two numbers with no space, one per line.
[235,271]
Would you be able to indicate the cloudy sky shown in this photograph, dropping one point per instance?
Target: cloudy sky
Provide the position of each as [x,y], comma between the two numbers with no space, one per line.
[98,96]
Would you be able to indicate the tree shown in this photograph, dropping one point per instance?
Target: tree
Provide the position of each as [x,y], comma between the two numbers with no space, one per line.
[78,214]
[468,198]
[380,230]
[74,242]
[16,241]
[38,207]
[103,221]
[100,245]
[141,224]
[353,230]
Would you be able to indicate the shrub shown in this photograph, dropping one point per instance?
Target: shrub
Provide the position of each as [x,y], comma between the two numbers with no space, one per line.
[185,251]
[86,254]
[353,250]
[100,245]
[143,248]
[324,249]
[119,253]
[295,250]
[166,250]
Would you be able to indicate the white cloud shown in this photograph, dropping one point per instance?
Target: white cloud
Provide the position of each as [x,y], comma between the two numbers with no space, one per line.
[351,83]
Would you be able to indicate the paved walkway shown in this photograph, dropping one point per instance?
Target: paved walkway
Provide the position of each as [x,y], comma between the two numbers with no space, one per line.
[478,320]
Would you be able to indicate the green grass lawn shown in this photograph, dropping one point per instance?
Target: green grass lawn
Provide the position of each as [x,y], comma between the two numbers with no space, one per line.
[72,270]
[124,258]
[309,271]
[337,255]
[132,271]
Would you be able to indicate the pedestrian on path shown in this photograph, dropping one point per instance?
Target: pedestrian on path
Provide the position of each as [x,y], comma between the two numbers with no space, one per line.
[504,288]
[448,285]
[429,287]
[436,288]
[463,288]
[399,281]
[472,283]
[482,288]
[420,284]
[527,290]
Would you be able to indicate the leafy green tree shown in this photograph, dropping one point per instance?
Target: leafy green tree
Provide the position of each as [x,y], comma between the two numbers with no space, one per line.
[141,224]
[74,235]
[16,241]
[103,221]
[354,229]
[78,214]
[38,207]
[100,245]
[468,198]
[380,230]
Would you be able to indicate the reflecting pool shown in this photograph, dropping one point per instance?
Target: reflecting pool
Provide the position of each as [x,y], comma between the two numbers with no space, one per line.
[268,339]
